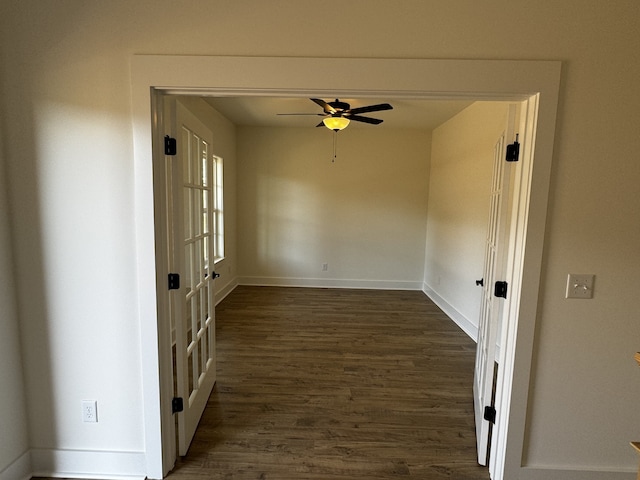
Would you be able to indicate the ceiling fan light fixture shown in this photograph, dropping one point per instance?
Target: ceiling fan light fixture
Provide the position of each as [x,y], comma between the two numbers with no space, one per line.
[336,123]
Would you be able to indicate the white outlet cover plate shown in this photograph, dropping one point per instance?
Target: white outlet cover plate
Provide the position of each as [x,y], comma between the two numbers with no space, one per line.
[579,285]
[90,411]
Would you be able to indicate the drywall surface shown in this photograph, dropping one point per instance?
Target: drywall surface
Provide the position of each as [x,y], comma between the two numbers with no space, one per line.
[13,423]
[460,182]
[362,217]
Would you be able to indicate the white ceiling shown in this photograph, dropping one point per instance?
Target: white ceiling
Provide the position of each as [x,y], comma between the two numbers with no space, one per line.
[406,113]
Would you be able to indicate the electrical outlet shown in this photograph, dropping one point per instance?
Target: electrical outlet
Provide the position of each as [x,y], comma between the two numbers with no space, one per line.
[579,285]
[90,411]
[325,267]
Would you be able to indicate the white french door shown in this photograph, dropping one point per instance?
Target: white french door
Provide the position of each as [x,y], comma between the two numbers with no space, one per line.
[191,238]
[491,307]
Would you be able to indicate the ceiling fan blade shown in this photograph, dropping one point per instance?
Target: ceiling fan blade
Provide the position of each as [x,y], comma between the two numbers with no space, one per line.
[321,124]
[325,106]
[314,114]
[358,118]
[371,108]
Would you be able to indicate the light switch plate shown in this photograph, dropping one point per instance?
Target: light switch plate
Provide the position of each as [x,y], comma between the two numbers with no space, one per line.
[579,285]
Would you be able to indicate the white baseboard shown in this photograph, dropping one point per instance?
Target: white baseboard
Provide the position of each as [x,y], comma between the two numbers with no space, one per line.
[463,322]
[226,290]
[19,469]
[88,464]
[545,473]
[329,283]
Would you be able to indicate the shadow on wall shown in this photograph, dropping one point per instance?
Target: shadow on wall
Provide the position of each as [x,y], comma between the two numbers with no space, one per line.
[23,196]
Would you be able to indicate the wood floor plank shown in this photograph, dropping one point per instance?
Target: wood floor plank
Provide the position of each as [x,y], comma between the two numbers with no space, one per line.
[336,384]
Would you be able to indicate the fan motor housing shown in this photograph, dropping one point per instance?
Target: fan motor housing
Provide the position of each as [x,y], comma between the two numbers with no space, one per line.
[338,105]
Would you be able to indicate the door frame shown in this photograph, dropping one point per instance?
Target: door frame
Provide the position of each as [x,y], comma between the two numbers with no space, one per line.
[538,82]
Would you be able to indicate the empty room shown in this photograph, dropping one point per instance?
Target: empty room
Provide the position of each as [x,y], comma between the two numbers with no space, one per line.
[329,245]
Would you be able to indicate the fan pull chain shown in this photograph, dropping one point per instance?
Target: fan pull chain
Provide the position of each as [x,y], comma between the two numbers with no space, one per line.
[335,146]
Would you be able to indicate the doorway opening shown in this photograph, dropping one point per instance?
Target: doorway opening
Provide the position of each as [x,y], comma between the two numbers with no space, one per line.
[537,84]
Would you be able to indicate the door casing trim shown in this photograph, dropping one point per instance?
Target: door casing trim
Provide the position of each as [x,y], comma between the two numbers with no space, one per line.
[502,80]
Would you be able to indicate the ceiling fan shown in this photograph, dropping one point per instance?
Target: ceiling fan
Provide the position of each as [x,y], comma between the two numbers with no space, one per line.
[338,114]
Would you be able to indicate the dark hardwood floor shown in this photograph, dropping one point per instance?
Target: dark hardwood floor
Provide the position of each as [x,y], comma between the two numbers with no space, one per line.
[336,384]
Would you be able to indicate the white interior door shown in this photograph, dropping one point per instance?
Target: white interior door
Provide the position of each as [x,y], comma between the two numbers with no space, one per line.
[193,306]
[491,307]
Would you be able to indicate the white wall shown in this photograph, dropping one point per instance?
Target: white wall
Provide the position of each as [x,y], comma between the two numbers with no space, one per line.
[68,147]
[14,445]
[363,215]
[460,183]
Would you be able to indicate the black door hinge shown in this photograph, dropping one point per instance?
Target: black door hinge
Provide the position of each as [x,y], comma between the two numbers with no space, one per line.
[174,281]
[490,414]
[177,405]
[513,151]
[501,289]
[170,145]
